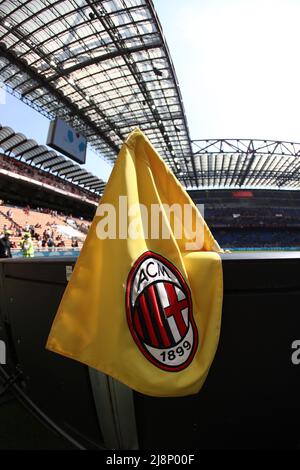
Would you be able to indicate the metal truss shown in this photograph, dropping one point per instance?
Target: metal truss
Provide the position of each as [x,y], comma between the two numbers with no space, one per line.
[103,66]
[249,163]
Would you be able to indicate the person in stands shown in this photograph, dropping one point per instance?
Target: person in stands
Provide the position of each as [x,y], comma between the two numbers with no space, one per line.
[50,243]
[27,246]
[74,243]
[5,245]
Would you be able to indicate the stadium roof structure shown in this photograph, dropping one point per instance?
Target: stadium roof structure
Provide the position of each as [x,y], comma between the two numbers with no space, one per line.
[103,66]
[249,163]
[28,150]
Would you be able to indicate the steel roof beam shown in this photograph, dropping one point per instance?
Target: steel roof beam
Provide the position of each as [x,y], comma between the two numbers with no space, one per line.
[89,179]
[54,164]
[68,171]
[53,91]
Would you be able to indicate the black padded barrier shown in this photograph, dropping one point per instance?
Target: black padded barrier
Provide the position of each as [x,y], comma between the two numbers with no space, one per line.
[250,399]
[30,294]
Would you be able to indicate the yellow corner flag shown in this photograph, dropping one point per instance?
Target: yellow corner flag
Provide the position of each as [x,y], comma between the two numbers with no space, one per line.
[144,302]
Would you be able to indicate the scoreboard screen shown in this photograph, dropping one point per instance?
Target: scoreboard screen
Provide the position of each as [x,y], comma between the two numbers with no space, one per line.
[242,194]
[69,142]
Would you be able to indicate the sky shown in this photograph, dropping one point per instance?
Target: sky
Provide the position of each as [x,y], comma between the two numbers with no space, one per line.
[237,66]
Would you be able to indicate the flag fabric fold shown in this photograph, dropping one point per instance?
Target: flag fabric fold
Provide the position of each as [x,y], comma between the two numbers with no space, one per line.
[144,301]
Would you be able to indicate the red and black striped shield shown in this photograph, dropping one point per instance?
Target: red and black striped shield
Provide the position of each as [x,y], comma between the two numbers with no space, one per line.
[160,312]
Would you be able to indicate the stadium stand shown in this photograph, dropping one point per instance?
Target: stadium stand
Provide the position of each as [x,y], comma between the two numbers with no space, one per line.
[42,190]
[44,224]
[16,167]
[41,202]
[252,219]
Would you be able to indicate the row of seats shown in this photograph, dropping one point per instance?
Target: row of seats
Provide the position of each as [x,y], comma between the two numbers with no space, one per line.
[20,218]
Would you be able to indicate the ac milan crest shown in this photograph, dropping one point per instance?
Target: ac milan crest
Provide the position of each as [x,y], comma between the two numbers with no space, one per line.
[160,312]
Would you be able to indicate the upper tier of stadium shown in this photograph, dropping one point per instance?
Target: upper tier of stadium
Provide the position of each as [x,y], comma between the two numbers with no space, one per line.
[39,157]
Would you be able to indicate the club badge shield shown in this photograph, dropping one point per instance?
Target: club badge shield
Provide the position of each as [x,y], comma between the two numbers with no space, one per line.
[160,313]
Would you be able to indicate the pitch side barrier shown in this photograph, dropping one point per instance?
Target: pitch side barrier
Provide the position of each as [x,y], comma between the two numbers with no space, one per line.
[249,400]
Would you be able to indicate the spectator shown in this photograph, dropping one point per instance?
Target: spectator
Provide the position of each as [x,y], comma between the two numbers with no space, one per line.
[5,245]
[27,246]
[74,243]
[50,243]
